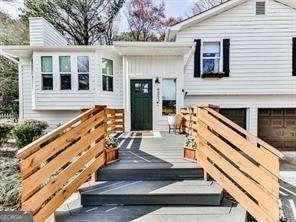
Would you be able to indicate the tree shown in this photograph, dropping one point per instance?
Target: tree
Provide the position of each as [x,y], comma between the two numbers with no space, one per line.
[167,22]
[203,5]
[12,32]
[83,22]
[147,20]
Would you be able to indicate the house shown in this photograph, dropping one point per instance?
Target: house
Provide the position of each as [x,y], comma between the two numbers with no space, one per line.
[240,55]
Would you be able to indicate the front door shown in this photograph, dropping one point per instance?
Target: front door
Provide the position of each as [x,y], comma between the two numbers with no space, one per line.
[141,104]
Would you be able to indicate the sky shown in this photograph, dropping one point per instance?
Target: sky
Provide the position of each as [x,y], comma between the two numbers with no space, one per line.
[176,8]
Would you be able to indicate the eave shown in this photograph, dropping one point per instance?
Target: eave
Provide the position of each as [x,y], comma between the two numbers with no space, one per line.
[152,48]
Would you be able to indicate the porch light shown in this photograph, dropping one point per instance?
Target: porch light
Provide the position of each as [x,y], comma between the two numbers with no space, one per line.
[157,81]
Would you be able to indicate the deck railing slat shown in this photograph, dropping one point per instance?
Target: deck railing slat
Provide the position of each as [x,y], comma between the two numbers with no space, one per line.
[58,163]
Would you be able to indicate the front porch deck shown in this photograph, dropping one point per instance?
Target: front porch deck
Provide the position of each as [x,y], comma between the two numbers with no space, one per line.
[154,150]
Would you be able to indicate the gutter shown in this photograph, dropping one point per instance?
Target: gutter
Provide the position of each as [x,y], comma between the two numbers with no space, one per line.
[8,56]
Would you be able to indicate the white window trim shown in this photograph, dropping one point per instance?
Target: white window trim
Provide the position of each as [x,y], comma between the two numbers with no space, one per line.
[221,54]
[46,73]
[102,88]
[65,73]
[78,73]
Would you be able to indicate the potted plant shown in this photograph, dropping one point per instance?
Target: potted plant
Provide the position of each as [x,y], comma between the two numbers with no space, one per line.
[189,150]
[112,154]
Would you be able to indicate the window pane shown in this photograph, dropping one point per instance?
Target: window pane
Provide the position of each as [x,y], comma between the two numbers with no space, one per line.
[107,83]
[168,107]
[211,66]
[65,64]
[47,83]
[107,66]
[83,81]
[46,64]
[142,88]
[211,49]
[168,89]
[168,96]
[65,81]
[82,64]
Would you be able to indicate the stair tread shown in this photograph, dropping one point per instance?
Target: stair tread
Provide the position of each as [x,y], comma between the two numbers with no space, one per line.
[152,188]
[147,213]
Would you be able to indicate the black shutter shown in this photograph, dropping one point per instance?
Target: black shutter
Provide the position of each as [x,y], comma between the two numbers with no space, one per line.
[294,57]
[226,49]
[197,57]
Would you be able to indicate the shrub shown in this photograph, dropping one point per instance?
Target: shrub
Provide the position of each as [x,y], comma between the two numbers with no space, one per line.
[28,131]
[4,132]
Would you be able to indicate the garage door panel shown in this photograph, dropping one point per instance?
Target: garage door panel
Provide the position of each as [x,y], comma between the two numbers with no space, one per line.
[290,112]
[237,116]
[278,127]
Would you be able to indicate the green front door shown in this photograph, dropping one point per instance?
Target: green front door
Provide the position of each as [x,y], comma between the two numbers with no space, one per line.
[141,104]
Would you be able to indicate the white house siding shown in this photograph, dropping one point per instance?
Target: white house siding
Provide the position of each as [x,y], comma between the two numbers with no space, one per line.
[260,60]
[58,106]
[42,33]
[74,99]
[260,50]
[26,112]
[152,67]
[251,102]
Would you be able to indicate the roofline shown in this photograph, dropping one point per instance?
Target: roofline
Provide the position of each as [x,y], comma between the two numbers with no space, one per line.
[28,47]
[152,44]
[184,20]
[218,9]
[208,13]
[26,50]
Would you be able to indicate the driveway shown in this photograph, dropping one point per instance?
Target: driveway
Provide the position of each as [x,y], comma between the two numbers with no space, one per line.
[288,186]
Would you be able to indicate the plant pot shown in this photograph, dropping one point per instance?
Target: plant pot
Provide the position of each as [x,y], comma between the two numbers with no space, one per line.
[171,120]
[16,216]
[189,154]
[112,155]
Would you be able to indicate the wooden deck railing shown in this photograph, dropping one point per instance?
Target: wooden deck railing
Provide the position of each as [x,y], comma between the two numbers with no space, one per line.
[245,166]
[115,120]
[189,122]
[57,164]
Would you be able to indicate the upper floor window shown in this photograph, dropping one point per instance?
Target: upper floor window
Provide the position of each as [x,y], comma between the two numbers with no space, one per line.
[211,57]
[83,72]
[260,8]
[65,72]
[168,97]
[46,73]
[107,71]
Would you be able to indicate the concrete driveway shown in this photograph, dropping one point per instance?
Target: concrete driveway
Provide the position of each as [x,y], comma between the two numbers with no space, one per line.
[288,186]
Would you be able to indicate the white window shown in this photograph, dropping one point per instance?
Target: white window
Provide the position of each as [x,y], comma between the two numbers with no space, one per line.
[168,97]
[83,72]
[107,71]
[211,57]
[46,73]
[65,72]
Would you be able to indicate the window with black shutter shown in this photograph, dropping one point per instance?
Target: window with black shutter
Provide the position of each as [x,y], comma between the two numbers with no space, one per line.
[294,57]
[197,54]
[226,57]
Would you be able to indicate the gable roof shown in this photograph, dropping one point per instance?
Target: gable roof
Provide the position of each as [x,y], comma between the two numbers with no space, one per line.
[172,31]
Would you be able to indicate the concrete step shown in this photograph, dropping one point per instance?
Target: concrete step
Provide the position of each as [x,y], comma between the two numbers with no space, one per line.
[153,213]
[146,173]
[185,192]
